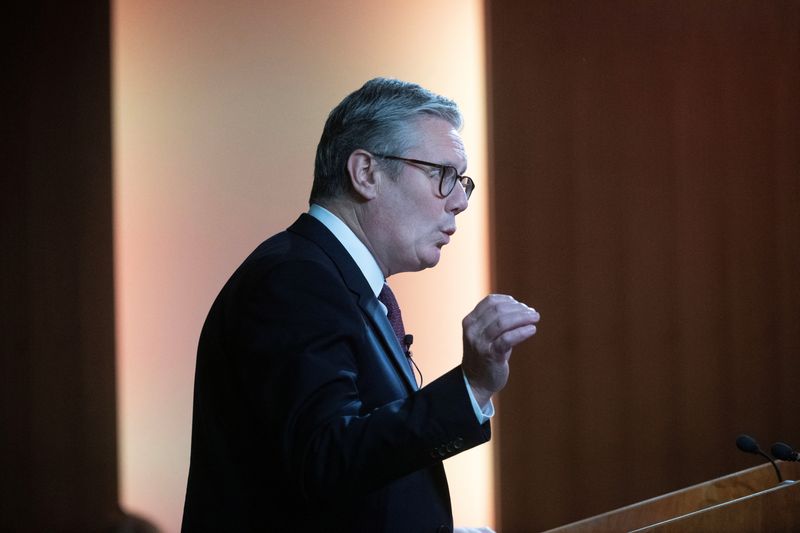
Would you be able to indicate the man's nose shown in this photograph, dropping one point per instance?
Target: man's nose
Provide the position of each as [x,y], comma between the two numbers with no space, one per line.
[457,199]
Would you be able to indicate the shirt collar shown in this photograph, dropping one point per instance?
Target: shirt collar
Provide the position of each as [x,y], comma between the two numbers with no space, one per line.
[357,250]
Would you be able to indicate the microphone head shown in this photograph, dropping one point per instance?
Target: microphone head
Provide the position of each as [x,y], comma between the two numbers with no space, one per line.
[747,444]
[782,451]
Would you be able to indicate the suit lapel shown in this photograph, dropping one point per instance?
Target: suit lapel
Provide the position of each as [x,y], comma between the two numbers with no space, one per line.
[379,320]
[314,230]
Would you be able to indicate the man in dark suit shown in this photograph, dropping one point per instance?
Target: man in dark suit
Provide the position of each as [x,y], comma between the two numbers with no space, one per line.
[307,416]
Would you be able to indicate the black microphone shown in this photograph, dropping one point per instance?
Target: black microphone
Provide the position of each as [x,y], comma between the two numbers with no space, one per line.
[784,452]
[748,444]
[408,340]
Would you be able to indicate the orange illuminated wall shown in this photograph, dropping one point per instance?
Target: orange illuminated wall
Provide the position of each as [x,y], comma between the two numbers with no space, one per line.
[217,111]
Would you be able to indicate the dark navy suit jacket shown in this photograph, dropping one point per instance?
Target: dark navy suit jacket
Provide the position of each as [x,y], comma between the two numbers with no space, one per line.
[306,415]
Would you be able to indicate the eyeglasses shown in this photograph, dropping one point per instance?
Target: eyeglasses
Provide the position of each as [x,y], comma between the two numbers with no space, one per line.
[448,176]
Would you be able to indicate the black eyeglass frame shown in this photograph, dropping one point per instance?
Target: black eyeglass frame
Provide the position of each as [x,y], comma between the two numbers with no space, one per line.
[465,181]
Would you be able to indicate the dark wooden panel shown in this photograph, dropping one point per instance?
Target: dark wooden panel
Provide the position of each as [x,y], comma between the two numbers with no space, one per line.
[646,199]
[59,445]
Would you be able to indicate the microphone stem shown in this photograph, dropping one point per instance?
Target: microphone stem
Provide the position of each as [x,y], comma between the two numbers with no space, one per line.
[775,466]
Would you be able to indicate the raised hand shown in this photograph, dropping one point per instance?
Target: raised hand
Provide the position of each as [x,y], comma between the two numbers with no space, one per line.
[491,330]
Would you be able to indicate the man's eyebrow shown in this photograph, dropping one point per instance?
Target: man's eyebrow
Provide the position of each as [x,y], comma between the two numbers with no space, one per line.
[466,167]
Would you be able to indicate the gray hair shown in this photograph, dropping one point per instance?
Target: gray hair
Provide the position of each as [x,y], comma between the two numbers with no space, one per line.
[379,118]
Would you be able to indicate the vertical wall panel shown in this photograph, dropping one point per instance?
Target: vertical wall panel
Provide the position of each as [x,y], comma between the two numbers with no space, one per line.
[57,369]
[218,108]
[646,160]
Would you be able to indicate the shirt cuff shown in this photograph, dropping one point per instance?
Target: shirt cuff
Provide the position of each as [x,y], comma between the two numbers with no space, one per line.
[483,415]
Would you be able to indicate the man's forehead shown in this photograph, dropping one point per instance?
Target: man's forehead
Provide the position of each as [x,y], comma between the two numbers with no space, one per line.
[438,138]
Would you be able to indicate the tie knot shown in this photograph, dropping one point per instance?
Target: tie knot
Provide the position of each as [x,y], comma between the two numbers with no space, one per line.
[387,298]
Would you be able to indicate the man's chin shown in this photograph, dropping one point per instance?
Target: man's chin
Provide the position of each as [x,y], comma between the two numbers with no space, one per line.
[423,261]
[432,259]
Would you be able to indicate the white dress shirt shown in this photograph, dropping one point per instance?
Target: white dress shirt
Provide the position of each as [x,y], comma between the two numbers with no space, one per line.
[372,272]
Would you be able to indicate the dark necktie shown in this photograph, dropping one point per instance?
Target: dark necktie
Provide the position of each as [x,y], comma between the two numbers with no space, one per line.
[387,298]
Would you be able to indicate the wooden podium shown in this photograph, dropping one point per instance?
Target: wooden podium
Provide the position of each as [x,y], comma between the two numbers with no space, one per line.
[750,500]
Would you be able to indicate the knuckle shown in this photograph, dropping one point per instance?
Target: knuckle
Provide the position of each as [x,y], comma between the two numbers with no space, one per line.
[501,323]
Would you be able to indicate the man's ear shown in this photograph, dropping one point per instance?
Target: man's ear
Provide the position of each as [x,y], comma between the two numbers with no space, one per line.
[362,168]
